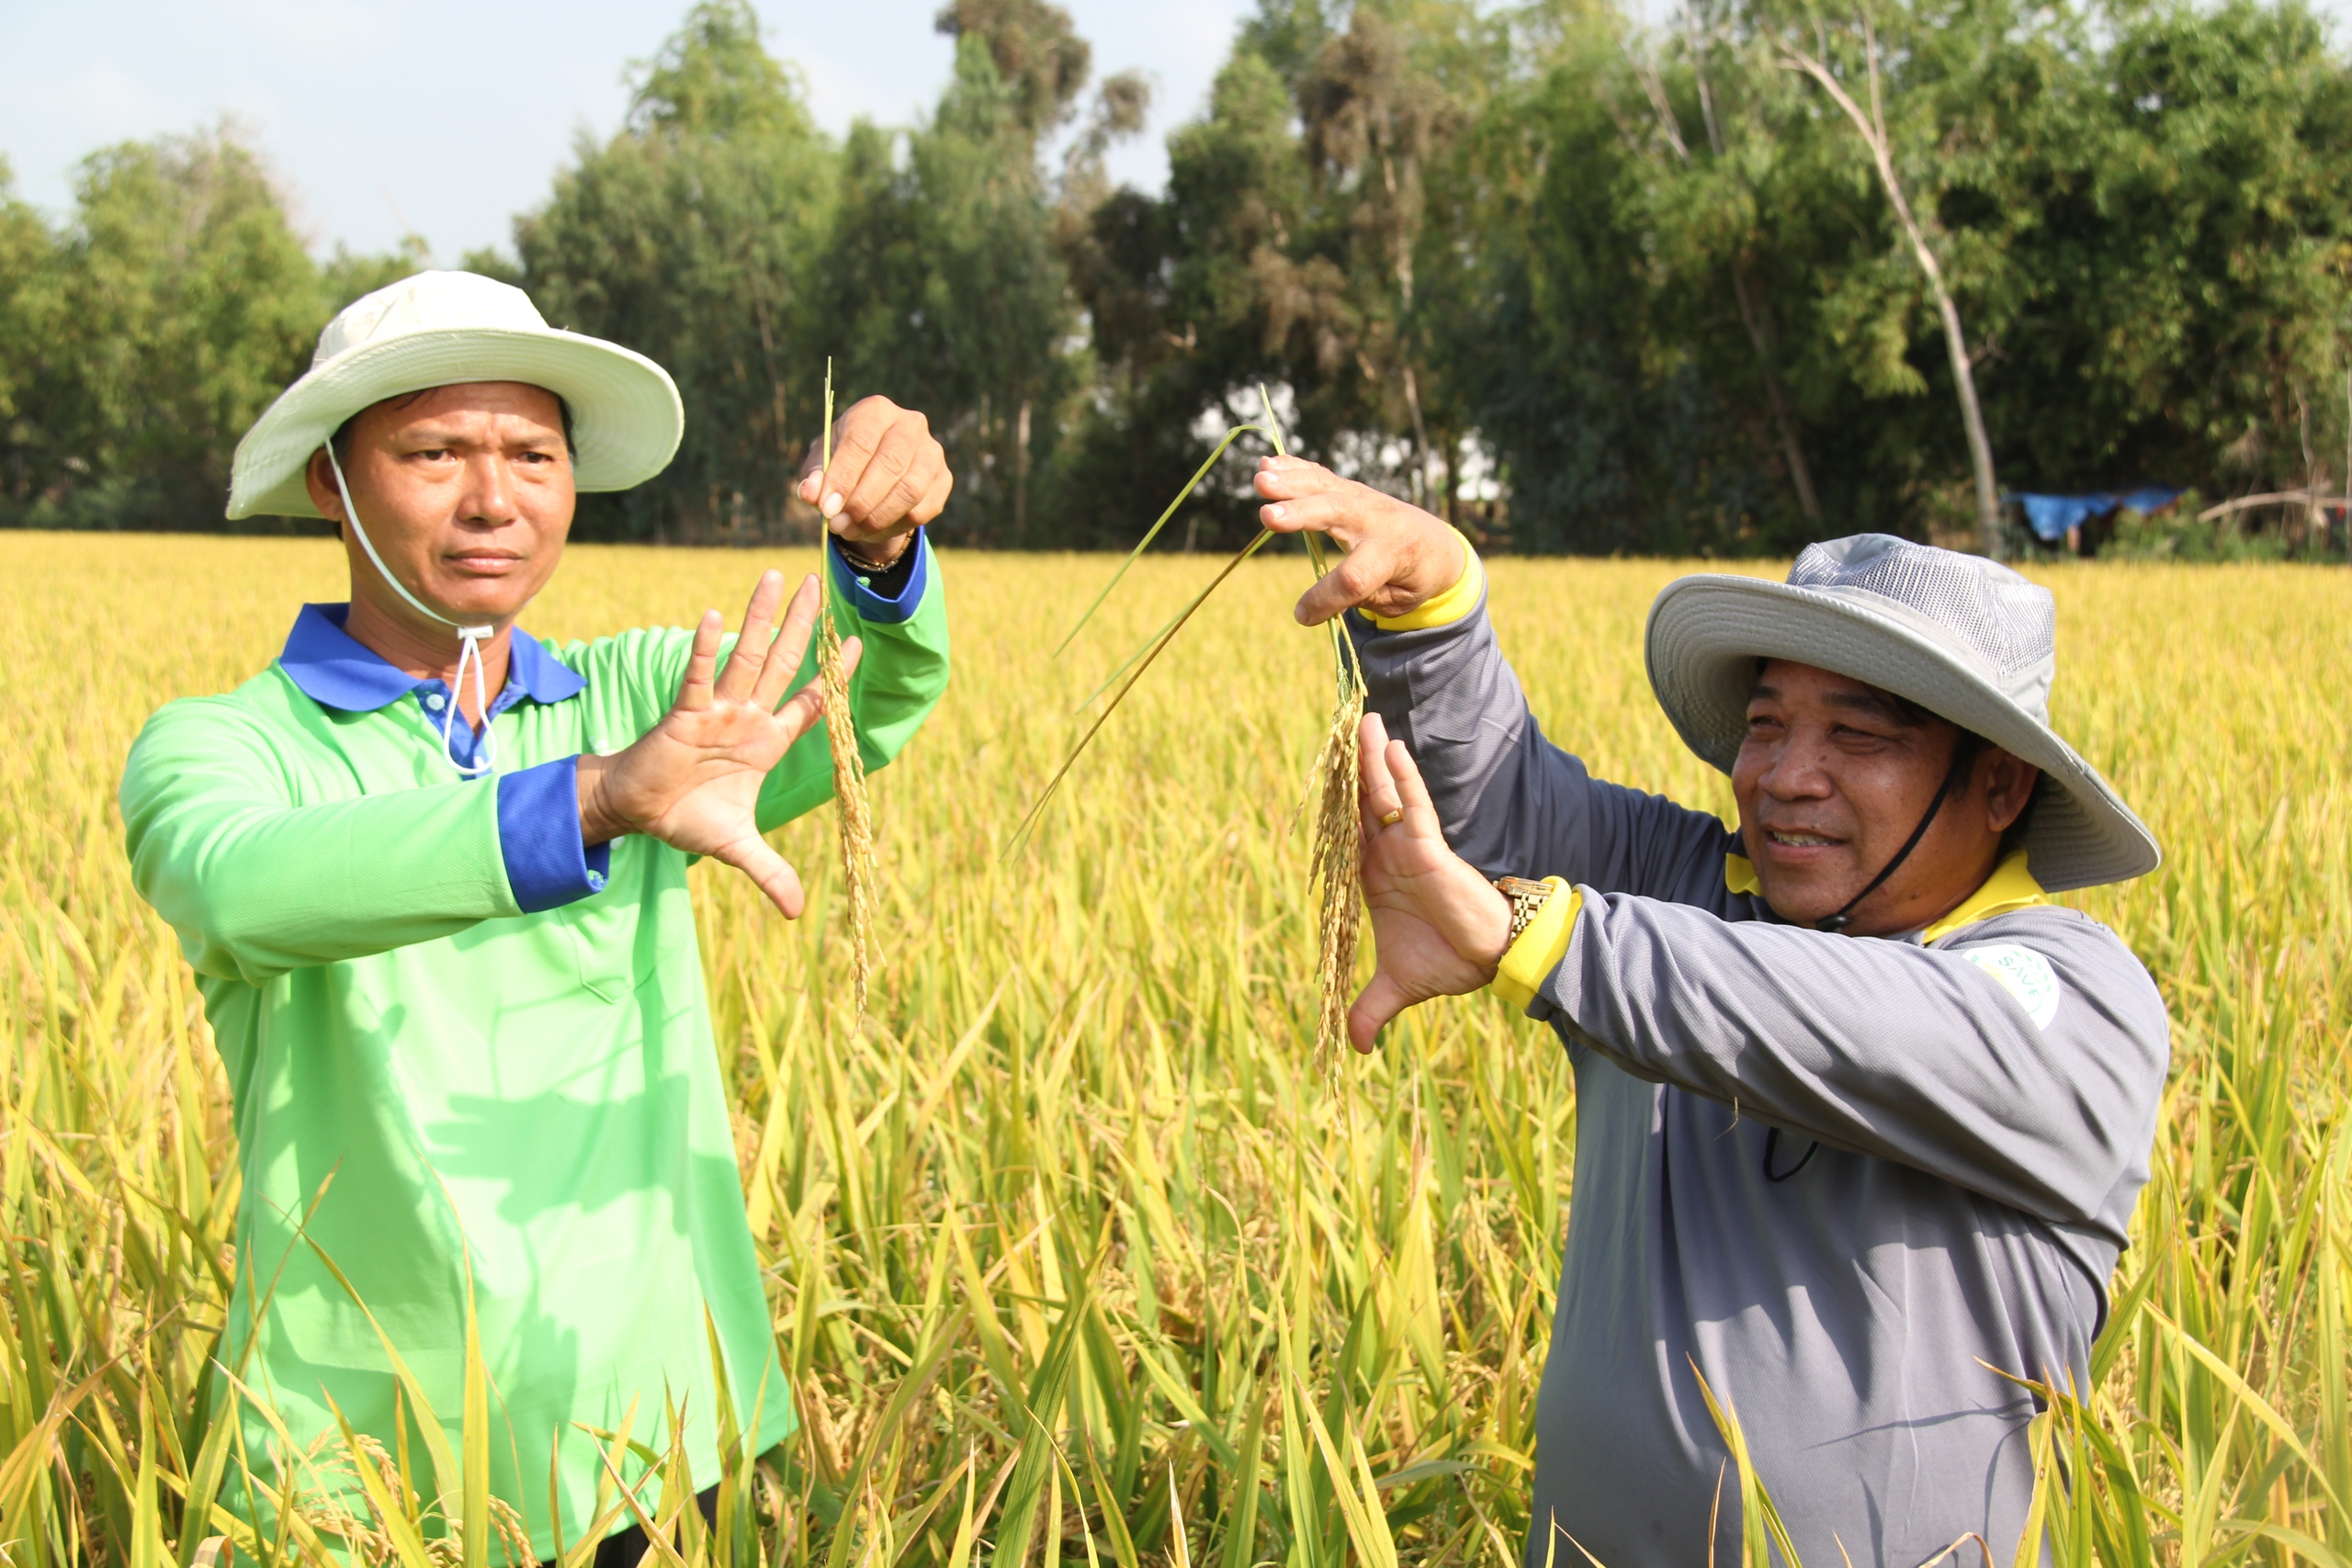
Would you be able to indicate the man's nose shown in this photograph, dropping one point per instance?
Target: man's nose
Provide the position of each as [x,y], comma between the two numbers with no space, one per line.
[489,491]
[1794,773]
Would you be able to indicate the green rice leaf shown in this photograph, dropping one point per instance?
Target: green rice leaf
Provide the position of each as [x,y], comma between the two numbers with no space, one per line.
[1152,533]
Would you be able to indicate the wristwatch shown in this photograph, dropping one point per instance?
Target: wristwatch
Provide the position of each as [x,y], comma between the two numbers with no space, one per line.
[1527,899]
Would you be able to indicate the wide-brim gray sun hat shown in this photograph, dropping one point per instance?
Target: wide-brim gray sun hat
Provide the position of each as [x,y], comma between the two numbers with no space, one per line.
[439,329]
[1960,636]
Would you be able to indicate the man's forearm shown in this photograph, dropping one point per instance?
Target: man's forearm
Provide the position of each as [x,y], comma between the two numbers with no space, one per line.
[1509,803]
[1448,693]
[1914,1054]
[255,885]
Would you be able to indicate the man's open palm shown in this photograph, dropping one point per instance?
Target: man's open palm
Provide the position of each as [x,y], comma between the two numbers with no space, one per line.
[693,781]
[1438,927]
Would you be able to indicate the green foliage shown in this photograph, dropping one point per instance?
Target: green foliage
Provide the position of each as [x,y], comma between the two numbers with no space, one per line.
[2127,202]
[1037,55]
[693,236]
[1577,284]
[712,79]
[182,258]
[944,288]
[2196,212]
[2177,533]
[1313,234]
[142,341]
[28,278]
[723,234]
[1179,325]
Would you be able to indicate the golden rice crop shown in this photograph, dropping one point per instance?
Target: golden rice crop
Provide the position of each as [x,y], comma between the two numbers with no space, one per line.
[1073,1255]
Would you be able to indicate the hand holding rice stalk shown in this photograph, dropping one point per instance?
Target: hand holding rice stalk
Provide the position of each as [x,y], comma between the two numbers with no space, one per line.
[852,815]
[1337,861]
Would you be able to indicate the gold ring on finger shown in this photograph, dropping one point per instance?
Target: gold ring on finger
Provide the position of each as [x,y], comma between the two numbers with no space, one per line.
[1390,819]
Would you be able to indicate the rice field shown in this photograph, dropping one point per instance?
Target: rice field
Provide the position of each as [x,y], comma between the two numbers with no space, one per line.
[1074,1257]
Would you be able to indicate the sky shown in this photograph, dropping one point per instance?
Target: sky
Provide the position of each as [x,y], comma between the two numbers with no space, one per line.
[446,118]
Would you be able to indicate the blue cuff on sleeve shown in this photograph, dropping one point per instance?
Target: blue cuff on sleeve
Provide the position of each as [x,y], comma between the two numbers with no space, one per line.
[880,609]
[539,835]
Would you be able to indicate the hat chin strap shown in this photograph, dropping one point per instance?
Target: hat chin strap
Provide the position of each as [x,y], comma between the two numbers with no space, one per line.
[470,640]
[1962,754]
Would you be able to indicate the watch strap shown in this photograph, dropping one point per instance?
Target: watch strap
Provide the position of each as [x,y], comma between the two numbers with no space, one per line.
[1527,900]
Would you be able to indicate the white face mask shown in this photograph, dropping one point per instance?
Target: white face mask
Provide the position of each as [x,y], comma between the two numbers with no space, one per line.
[468,643]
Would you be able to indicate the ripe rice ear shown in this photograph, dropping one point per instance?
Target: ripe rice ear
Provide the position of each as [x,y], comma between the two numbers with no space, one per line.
[1337,861]
[853,810]
[1338,869]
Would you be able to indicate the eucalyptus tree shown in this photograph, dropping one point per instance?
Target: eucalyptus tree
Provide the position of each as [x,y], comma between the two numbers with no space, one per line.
[1311,236]
[942,277]
[695,235]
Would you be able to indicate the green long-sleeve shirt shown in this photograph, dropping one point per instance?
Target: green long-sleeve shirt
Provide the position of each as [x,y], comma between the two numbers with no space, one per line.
[458,1043]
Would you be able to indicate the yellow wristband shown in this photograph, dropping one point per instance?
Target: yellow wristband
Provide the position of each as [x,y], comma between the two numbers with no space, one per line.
[1540,947]
[1442,609]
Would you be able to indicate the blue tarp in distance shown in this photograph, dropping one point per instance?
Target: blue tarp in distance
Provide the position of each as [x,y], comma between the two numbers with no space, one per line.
[2050,515]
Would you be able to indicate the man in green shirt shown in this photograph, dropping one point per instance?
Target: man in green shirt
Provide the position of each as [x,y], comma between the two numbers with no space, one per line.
[431,874]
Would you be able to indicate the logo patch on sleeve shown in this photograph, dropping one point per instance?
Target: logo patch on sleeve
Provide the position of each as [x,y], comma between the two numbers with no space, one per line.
[2024,973]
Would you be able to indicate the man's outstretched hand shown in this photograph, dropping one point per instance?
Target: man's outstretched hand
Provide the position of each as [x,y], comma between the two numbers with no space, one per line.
[693,781]
[1438,928]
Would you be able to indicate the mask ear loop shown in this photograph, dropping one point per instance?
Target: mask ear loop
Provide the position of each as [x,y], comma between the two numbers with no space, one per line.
[469,639]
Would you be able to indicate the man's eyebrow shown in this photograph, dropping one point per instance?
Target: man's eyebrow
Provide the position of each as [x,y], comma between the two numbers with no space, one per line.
[1870,703]
[427,436]
[1864,701]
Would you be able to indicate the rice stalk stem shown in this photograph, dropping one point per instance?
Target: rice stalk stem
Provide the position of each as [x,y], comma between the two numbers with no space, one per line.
[853,811]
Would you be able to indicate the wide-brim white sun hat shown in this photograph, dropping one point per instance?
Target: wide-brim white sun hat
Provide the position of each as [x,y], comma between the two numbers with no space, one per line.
[1960,636]
[440,329]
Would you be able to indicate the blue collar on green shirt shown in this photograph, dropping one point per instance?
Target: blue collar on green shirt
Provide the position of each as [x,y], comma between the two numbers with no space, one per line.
[336,671]
[538,811]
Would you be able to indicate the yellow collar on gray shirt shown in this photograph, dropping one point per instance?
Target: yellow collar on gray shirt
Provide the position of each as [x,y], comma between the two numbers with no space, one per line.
[2011,886]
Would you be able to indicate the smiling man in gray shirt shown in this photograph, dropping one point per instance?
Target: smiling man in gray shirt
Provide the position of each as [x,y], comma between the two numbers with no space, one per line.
[1861,1114]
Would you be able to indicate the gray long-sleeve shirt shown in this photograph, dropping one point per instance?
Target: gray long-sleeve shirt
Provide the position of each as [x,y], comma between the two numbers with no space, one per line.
[1984,1108]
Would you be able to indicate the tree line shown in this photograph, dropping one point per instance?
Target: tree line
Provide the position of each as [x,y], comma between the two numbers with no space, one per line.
[1765,273]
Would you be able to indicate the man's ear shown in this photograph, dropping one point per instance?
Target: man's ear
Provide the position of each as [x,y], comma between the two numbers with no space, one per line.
[2009,786]
[319,479]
